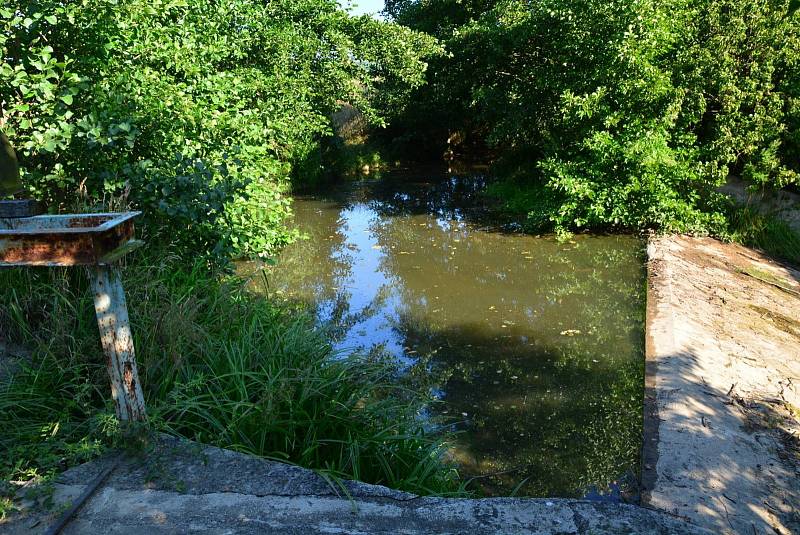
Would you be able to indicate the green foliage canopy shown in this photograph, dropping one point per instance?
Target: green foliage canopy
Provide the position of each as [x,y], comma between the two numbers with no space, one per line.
[197,111]
[628,112]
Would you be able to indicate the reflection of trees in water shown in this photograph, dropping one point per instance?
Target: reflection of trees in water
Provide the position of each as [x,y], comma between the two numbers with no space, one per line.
[341,319]
[563,411]
[541,411]
[316,270]
[454,199]
[311,268]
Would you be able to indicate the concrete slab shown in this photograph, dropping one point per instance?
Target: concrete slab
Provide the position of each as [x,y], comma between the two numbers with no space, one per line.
[723,363]
[181,487]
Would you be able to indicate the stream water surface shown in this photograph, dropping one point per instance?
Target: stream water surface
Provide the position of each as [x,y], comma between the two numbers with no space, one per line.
[535,347]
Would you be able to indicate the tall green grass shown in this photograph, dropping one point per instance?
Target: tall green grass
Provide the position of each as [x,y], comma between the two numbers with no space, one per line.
[774,236]
[218,365]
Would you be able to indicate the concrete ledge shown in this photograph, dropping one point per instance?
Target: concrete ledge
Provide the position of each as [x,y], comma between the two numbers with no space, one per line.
[182,487]
[722,376]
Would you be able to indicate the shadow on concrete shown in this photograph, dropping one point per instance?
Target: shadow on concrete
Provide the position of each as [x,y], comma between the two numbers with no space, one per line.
[721,441]
[731,462]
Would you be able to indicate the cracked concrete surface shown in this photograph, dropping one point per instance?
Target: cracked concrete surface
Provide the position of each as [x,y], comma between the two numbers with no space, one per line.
[721,431]
[181,487]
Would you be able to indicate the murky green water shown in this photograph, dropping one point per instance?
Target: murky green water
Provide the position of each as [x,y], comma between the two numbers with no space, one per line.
[536,346]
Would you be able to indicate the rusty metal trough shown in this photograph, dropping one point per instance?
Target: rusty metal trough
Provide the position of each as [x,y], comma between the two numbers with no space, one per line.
[97,241]
[66,240]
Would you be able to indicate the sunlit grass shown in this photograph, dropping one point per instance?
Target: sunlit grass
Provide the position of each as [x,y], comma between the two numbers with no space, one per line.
[218,365]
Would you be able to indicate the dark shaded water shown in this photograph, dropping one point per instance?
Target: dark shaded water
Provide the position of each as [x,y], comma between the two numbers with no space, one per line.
[536,346]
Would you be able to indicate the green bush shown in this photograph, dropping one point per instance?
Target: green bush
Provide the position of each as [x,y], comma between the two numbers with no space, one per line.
[197,112]
[632,112]
[218,364]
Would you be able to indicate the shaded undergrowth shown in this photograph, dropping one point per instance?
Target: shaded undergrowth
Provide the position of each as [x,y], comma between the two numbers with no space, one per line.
[768,232]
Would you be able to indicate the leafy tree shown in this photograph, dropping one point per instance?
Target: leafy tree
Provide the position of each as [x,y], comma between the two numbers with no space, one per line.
[197,111]
[627,112]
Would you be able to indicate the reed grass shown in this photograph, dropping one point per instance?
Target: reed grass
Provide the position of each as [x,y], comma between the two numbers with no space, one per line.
[219,365]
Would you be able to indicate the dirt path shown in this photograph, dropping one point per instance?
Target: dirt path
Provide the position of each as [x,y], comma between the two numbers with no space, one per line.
[722,438]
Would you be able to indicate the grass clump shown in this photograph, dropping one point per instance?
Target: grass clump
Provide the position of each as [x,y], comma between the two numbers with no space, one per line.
[765,231]
[218,365]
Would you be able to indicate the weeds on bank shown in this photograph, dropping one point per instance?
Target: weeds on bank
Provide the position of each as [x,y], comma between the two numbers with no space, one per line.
[218,365]
[532,203]
[750,227]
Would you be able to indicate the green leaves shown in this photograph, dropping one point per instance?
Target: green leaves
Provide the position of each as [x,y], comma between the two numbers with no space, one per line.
[632,112]
[198,113]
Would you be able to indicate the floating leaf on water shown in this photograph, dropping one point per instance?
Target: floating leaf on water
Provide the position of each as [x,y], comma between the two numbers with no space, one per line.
[570,332]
